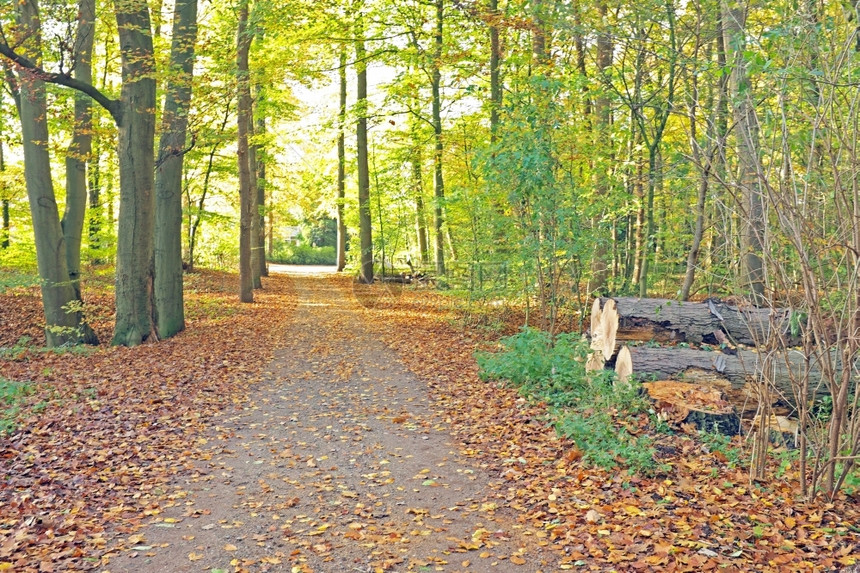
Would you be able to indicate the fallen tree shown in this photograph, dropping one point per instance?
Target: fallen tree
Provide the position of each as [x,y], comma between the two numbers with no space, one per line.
[712,321]
[784,369]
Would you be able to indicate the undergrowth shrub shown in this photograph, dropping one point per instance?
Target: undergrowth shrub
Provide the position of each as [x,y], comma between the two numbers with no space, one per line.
[304,255]
[11,394]
[586,407]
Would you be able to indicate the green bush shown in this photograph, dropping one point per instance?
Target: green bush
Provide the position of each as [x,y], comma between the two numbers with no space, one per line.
[586,407]
[304,255]
[11,394]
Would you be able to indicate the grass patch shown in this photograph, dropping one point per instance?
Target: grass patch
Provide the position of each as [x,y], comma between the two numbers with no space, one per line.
[15,278]
[605,421]
[11,395]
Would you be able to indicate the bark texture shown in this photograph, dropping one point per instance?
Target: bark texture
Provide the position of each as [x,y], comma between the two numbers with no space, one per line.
[62,316]
[364,219]
[136,154]
[169,304]
[696,322]
[80,147]
[246,195]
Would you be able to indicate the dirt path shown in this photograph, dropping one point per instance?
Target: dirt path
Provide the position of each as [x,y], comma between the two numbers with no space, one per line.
[336,463]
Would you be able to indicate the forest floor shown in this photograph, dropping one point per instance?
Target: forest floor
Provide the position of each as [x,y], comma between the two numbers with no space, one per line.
[335,427]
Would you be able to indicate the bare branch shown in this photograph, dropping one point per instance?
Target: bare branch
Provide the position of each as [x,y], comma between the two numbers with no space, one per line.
[111,105]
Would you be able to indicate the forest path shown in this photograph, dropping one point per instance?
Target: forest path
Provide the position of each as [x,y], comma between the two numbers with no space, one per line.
[337,462]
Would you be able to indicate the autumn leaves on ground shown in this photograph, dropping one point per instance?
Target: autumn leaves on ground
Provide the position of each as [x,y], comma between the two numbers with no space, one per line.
[331,428]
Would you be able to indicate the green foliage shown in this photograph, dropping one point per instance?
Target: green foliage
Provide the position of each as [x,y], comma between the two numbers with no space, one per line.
[11,395]
[586,407]
[717,442]
[303,255]
[13,277]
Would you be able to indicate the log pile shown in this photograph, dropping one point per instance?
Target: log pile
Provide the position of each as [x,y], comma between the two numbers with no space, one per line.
[697,384]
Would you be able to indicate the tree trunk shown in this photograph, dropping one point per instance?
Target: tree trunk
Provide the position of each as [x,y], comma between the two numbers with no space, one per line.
[256,246]
[136,146]
[169,305]
[260,160]
[341,165]
[4,231]
[747,140]
[438,181]
[80,147]
[62,317]
[420,209]
[495,67]
[603,120]
[364,219]
[94,232]
[705,162]
[246,198]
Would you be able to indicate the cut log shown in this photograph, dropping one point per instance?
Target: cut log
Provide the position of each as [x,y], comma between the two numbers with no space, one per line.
[608,328]
[624,366]
[738,369]
[666,320]
[704,407]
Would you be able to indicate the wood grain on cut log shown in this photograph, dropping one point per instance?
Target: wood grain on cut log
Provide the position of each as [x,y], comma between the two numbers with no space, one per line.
[703,406]
[604,324]
[738,369]
[624,366]
[667,320]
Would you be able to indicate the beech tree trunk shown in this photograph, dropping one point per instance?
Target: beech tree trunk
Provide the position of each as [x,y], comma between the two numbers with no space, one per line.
[246,195]
[495,67]
[260,185]
[438,181]
[602,124]
[80,147]
[257,246]
[169,305]
[750,170]
[364,219]
[4,231]
[59,299]
[136,149]
[341,165]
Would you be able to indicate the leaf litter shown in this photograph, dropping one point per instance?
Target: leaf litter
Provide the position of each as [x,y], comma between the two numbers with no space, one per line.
[199,454]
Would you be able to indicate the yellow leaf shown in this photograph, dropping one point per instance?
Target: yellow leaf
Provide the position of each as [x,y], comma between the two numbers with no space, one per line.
[517,560]
[195,556]
[6,566]
[632,510]
[230,547]
[790,522]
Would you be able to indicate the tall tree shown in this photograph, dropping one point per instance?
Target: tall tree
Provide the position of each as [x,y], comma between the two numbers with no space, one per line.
[245,121]
[260,160]
[601,126]
[749,179]
[80,146]
[136,151]
[438,181]
[169,304]
[341,164]
[365,234]
[63,317]
[4,204]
